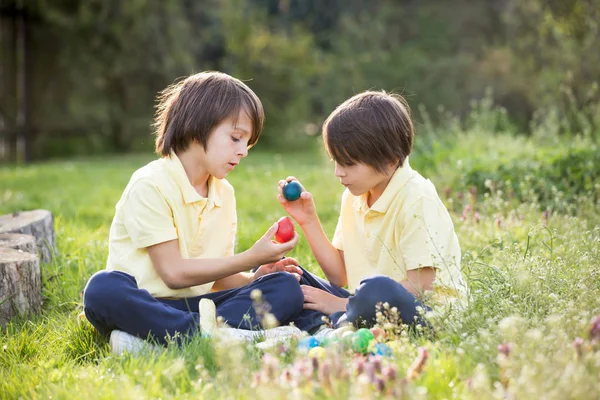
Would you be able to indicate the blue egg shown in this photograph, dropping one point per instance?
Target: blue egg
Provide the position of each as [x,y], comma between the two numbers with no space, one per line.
[383,349]
[291,191]
[308,343]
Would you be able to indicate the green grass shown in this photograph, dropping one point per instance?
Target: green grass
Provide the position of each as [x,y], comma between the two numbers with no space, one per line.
[535,283]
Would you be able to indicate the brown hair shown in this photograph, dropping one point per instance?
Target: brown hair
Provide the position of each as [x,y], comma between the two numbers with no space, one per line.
[373,128]
[190,109]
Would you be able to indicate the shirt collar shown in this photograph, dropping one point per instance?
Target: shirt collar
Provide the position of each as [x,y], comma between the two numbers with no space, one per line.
[398,181]
[190,195]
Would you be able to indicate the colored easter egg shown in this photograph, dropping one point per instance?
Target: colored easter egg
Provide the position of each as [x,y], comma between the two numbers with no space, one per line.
[291,191]
[317,352]
[308,343]
[285,230]
[383,349]
[361,339]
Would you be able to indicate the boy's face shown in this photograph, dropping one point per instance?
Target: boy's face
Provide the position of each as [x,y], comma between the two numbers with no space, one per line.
[226,146]
[361,178]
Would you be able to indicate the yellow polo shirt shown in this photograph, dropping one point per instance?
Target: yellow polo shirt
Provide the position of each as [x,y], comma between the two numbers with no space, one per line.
[160,204]
[407,228]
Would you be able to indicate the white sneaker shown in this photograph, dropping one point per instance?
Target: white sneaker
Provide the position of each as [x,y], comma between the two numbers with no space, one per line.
[273,334]
[327,333]
[209,327]
[208,317]
[122,342]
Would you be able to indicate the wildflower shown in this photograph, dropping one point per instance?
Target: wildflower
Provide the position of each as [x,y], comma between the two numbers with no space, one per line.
[578,343]
[389,373]
[595,329]
[417,366]
[505,349]
[256,294]
[477,217]
[359,366]
[315,363]
[379,384]
[370,371]
[269,321]
[325,373]
[448,192]
[499,221]
[376,362]
[545,216]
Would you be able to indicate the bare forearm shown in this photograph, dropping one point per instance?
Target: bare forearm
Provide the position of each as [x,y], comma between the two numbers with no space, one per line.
[325,253]
[192,272]
[234,281]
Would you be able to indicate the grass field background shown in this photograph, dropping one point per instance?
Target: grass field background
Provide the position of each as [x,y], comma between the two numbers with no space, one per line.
[526,213]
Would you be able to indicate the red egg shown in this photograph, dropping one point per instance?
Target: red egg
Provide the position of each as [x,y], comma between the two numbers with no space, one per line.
[285,231]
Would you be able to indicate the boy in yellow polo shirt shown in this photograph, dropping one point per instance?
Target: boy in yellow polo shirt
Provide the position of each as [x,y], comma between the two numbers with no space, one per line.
[171,245]
[394,241]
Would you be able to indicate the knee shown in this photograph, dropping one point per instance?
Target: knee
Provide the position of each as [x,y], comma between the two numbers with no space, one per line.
[288,291]
[380,288]
[102,288]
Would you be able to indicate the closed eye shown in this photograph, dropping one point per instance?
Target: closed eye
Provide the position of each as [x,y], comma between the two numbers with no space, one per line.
[235,139]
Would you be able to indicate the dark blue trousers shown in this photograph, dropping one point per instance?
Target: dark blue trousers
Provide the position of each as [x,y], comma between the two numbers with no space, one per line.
[362,306]
[112,300]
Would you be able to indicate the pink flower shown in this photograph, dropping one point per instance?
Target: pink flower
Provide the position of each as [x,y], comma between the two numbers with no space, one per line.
[505,349]
[595,329]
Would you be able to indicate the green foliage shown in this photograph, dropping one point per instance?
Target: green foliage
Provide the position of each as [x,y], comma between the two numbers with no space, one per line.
[98,65]
[568,173]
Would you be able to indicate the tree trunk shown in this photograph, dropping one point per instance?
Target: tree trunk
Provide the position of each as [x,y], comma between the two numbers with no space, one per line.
[38,223]
[20,284]
[17,241]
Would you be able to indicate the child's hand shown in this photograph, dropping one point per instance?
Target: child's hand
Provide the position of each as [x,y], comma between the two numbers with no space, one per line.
[302,210]
[320,300]
[266,251]
[288,264]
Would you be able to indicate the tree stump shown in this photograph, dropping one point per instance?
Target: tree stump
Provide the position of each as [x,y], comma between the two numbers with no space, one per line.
[38,223]
[18,241]
[20,284]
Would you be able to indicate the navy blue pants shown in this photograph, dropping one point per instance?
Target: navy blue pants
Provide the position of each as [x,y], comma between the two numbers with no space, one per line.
[112,300]
[362,306]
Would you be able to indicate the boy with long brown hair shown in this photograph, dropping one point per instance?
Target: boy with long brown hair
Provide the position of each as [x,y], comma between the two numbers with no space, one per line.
[171,246]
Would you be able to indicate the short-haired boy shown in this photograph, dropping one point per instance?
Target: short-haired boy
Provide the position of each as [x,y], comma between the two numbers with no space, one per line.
[394,241]
[171,245]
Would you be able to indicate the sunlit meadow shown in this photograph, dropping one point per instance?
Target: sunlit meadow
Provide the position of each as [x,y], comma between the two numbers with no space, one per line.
[526,213]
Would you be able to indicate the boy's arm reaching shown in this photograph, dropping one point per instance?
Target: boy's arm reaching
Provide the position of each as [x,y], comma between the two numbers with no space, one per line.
[178,272]
[304,212]
[329,258]
[288,264]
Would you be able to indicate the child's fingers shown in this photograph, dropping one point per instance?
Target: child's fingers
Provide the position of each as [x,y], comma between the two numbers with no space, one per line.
[291,178]
[311,306]
[270,232]
[305,195]
[290,261]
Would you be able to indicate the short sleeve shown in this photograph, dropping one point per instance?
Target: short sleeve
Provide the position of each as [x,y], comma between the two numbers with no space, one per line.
[423,235]
[338,239]
[147,216]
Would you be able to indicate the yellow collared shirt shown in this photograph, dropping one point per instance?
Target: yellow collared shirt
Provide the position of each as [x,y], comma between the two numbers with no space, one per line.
[407,228]
[160,204]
